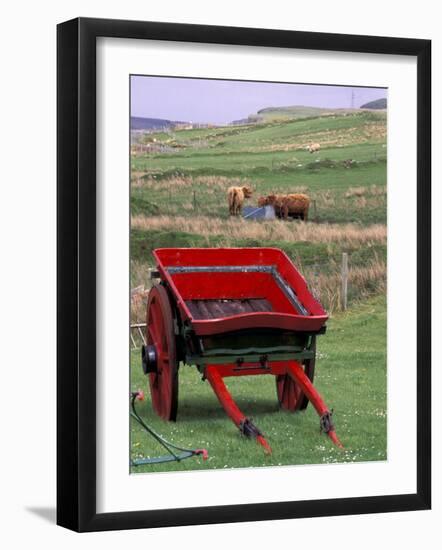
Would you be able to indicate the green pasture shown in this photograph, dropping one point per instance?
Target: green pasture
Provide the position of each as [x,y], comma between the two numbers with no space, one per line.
[350,374]
[327,186]
[250,163]
[271,157]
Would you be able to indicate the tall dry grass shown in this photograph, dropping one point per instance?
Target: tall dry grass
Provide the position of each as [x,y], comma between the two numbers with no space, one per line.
[324,284]
[150,181]
[139,278]
[363,281]
[273,230]
[373,191]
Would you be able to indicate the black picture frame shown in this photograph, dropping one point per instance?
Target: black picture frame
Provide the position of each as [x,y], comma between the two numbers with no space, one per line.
[76,274]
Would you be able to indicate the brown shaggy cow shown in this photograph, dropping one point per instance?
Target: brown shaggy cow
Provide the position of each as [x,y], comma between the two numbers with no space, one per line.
[236,197]
[313,147]
[294,204]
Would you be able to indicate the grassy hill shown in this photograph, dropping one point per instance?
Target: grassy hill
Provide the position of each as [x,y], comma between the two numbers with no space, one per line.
[376,104]
[298,111]
[294,112]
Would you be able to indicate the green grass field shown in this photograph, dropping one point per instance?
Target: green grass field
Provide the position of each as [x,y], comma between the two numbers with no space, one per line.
[193,176]
[179,181]
[350,374]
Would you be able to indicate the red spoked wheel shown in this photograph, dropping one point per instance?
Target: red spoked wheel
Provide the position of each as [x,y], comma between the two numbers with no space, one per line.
[160,334]
[290,395]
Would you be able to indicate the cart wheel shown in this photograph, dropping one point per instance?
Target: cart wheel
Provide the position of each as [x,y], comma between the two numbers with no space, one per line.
[290,396]
[160,333]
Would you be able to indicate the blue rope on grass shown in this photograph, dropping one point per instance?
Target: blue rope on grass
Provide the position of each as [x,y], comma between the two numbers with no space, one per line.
[170,447]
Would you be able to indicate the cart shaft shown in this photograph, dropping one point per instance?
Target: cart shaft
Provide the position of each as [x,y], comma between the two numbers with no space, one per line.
[214,374]
[296,372]
[244,424]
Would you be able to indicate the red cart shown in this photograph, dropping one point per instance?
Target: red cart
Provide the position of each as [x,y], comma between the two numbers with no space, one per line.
[233,312]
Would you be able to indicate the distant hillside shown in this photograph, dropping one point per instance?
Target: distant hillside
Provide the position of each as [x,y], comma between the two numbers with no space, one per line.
[376,104]
[291,112]
[140,123]
[241,121]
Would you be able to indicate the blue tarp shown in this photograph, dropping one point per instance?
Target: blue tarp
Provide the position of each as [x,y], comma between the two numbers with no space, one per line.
[258,212]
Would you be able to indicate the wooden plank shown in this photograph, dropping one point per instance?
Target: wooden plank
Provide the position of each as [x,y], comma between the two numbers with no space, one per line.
[241,306]
[134,345]
[262,305]
[205,313]
[218,309]
[137,325]
[140,332]
[210,305]
[193,308]
[237,307]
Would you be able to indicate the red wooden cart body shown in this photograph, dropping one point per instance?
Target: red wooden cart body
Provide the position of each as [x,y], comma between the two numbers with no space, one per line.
[266,274]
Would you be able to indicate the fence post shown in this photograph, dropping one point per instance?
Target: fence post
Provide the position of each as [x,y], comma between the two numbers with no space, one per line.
[316,292]
[344,280]
[315,214]
[194,200]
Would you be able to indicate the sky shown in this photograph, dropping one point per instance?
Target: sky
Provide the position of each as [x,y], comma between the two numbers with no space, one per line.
[222,101]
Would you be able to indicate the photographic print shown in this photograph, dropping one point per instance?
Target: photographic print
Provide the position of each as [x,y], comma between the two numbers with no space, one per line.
[258,274]
[222,264]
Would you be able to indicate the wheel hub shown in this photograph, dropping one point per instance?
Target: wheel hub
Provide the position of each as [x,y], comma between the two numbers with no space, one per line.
[149,359]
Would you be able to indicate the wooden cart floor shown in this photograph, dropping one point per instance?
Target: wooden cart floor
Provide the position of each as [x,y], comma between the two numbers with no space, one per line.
[217,309]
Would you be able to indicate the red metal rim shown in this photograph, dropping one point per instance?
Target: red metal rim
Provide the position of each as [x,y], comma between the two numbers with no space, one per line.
[160,333]
[290,395]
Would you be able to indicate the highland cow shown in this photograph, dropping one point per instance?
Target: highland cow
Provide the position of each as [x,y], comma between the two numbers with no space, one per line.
[294,204]
[236,197]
